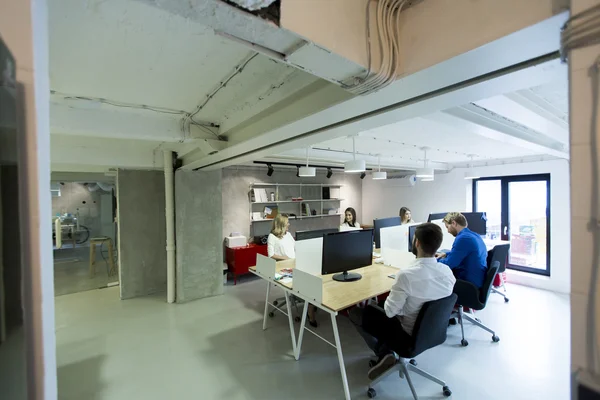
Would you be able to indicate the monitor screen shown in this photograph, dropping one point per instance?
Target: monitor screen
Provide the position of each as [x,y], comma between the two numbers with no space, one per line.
[411,235]
[477,222]
[304,235]
[344,251]
[436,216]
[383,223]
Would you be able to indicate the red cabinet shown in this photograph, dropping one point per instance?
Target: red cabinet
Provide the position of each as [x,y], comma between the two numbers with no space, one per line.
[239,259]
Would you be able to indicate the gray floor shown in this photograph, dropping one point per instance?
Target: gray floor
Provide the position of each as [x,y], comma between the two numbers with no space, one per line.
[215,349]
[71,271]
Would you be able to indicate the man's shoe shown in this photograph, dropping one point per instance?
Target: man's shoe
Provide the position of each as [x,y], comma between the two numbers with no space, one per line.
[386,362]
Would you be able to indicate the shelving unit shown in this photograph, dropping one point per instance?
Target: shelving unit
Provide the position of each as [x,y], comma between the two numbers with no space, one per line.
[313,192]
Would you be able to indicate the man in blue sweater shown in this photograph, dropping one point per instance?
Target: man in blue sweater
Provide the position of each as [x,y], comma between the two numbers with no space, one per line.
[468,257]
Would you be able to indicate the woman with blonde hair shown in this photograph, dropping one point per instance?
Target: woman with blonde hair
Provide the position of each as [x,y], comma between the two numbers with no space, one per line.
[280,244]
[405,216]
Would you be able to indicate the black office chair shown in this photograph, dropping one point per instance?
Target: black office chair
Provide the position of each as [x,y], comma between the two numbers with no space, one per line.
[472,297]
[429,331]
[499,253]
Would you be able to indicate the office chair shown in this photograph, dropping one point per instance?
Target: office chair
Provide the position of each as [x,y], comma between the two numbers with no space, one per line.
[500,253]
[472,297]
[429,331]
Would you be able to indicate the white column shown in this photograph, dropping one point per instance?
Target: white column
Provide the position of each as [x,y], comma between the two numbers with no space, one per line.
[170,216]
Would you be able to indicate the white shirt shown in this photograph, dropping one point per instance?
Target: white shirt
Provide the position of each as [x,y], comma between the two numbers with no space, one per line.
[281,247]
[425,280]
[346,227]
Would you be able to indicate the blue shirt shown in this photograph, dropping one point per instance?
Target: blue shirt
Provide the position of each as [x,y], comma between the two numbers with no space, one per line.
[468,257]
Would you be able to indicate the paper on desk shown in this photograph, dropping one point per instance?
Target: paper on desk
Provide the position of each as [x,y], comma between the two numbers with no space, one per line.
[286,280]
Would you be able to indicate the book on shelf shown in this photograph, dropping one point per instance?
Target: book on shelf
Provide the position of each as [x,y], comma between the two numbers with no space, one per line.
[334,193]
[326,193]
[260,195]
[270,212]
[257,216]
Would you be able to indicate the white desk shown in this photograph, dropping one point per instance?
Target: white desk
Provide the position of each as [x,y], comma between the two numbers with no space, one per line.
[337,296]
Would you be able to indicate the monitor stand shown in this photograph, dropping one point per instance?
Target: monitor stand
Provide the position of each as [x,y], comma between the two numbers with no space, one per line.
[347,277]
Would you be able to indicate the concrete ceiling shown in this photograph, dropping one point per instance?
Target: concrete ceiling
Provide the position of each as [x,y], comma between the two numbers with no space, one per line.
[454,137]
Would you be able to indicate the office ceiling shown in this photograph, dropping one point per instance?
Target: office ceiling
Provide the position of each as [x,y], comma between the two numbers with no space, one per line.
[453,137]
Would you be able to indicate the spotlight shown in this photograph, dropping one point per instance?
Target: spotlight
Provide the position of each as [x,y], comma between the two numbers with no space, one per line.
[270,170]
[329,173]
[362,175]
[297,171]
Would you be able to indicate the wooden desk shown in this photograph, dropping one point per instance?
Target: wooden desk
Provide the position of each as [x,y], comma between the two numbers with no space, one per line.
[336,297]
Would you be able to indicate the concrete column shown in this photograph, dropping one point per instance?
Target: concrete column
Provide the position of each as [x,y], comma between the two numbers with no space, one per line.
[170,223]
[199,227]
[142,232]
[582,244]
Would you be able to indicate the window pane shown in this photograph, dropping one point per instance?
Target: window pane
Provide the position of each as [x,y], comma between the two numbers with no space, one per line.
[527,223]
[489,200]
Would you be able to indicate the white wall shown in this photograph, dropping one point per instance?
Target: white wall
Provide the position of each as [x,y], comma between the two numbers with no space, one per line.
[450,192]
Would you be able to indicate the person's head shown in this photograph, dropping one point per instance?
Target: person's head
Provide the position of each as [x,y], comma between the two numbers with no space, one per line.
[427,240]
[455,222]
[405,215]
[280,225]
[350,216]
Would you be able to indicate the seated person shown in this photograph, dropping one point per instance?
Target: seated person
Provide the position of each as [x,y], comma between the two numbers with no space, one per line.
[468,257]
[405,216]
[425,280]
[281,246]
[349,220]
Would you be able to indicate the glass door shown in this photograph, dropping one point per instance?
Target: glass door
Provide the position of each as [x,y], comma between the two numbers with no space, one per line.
[522,206]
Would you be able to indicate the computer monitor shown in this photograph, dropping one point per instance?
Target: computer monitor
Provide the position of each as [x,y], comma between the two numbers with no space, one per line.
[411,236]
[383,223]
[477,222]
[345,251]
[436,216]
[317,233]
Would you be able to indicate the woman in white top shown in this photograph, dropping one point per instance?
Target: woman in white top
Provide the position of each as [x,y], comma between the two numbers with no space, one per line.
[280,244]
[405,216]
[349,220]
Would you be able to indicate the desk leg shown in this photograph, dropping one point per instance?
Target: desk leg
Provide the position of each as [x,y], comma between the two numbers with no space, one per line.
[302,325]
[266,305]
[288,303]
[338,346]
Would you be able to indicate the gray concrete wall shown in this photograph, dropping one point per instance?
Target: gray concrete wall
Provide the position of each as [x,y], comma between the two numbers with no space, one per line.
[199,234]
[236,186]
[142,232]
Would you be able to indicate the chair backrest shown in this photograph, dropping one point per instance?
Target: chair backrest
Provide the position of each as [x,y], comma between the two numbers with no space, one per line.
[432,323]
[499,253]
[490,274]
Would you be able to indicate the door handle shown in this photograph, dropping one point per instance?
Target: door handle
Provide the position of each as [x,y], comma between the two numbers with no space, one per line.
[505,230]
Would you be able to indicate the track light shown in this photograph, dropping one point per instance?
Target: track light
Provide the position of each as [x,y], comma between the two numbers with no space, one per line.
[270,170]
[329,173]
[362,175]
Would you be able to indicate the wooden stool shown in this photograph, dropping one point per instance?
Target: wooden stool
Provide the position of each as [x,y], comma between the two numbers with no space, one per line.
[111,261]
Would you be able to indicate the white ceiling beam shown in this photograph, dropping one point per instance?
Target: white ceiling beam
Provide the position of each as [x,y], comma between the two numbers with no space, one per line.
[520,110]
[477,120]
[534,103]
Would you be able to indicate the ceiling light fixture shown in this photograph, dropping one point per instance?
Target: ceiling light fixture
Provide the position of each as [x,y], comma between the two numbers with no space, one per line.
[329,173]
[270,170]
[355,165]
[307,171]
[379,175]
[470,172]
[425,172]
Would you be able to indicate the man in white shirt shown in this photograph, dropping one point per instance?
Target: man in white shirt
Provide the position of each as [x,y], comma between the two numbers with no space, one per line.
[423,281]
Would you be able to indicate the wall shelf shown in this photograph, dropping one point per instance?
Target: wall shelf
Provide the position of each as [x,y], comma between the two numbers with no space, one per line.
[294,201]
[300,217]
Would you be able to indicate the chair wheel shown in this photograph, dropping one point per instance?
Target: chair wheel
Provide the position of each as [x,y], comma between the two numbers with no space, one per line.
[464,342]
[275,303]
[495,339]
[372,363]
[506,299]
[371,393]
[271,314]
[413,362]
[447,391]
[297,319]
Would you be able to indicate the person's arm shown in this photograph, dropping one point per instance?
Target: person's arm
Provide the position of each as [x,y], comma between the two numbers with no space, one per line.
[455,257]
[395,301]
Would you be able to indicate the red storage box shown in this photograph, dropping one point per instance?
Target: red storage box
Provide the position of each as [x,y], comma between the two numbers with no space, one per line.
[239,259]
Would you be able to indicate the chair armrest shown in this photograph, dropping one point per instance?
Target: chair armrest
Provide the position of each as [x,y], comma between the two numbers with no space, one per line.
[468,294]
